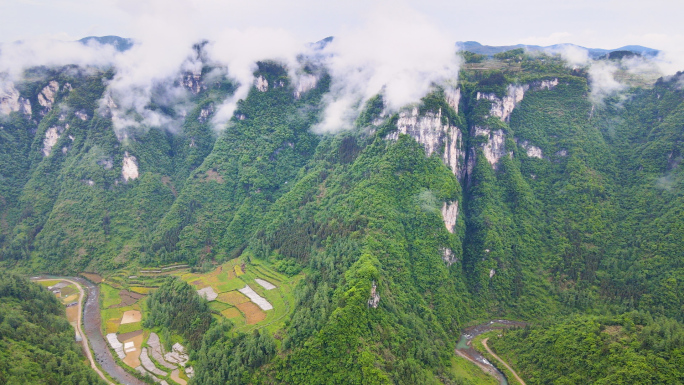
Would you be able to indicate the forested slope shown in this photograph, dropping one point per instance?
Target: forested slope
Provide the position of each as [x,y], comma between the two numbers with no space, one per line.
[513,194]
[36,342]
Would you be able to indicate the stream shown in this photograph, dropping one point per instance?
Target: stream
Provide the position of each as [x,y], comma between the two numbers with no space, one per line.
[464,348]
[91,327]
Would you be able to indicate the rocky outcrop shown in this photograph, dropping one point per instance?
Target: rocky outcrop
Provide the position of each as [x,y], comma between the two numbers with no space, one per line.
[192,81]
[448,256]
[46,97]
[305,83]
[374,299]
[261,84]
[51,137]
[495,146]
[453,97]
[205,113]
[11,101]
[503,107]
[531,150]
[429,131]
[81,115]
[449,215]
[129,170]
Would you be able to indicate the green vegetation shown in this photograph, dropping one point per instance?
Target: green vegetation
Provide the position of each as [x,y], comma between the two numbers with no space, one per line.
[176,306]
[580,213]
[36,342]
[629,349]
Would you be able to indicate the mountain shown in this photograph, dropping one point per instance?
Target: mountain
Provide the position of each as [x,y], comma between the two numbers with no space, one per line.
[120,43]
[475,47]
[510,194]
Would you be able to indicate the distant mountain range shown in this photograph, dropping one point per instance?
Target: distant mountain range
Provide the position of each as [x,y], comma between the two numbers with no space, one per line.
[123,44]
[489,50]
[120,43]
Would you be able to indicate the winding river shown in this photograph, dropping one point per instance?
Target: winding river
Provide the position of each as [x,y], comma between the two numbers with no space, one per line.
[91,328]
[465,349]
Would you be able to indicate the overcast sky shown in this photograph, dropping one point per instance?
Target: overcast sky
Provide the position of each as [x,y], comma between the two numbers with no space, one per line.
[591,23]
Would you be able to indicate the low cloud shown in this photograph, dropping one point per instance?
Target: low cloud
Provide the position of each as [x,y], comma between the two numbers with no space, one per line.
[397,53]
[602,80]
[17,56]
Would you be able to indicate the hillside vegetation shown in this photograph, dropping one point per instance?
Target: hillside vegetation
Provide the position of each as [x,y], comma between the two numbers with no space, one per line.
[401,233]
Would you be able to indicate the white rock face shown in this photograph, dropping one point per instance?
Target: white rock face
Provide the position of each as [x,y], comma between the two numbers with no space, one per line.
[305,83]
[46,98]
[11,101]
[193,81]
[532,151]
[491,273]
[261,84]
[81,115]
[546,84]
[205,112]
[450,214]
[495,147]
[51,137]
[502,108]
[130,167]
[448,256]
[374,299]
[453,97]
[429,131]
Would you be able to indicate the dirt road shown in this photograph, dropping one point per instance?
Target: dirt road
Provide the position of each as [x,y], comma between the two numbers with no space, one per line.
[484,343]
[79,330]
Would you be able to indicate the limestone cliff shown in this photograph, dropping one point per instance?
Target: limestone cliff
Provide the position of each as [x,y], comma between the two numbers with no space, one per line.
[428,130]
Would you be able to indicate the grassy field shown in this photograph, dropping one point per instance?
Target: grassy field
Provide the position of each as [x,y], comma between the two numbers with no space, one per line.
[470,373]
[225,280]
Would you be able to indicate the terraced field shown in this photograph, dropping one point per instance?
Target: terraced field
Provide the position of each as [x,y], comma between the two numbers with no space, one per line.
[252,296]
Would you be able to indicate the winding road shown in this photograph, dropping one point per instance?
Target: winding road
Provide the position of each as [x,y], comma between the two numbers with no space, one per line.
[79,330]
[484,343]
[89,328]
[465,350]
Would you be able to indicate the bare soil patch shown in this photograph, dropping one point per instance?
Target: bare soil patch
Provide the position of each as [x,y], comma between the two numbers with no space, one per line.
[197,283]
[93,277]
[176,377]
[252,312]
[133,356]
[128,298]
[232,298]
[130,335]
[72,314]
[131,316]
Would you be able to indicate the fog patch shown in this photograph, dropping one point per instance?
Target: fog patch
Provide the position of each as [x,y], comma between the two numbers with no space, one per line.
[397,53]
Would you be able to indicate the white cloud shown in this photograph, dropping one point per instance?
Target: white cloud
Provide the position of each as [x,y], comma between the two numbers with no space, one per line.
[397,52]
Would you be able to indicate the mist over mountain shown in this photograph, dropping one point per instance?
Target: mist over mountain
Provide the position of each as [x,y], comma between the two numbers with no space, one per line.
[594,53]
[396,191]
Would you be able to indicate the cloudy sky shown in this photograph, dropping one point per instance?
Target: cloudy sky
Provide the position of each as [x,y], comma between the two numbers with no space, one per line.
[591,23]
